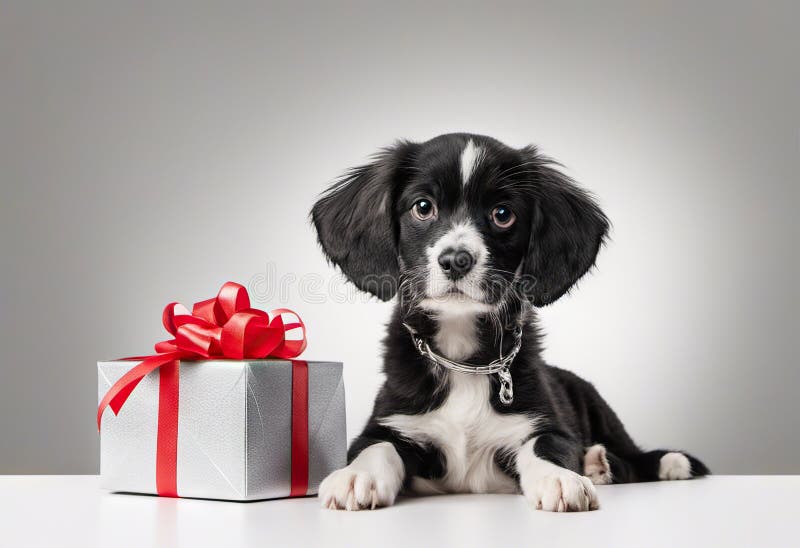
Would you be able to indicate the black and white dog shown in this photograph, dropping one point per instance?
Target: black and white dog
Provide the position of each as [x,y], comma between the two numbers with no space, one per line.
[471,235]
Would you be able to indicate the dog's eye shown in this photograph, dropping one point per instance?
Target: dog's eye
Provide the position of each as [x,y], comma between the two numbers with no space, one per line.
[424,209]
[503,217]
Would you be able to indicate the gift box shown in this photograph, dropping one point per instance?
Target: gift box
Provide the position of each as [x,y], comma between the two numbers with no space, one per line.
[225,410]
[234,428]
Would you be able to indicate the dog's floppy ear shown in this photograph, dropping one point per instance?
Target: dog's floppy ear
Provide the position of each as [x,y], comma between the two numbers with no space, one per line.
[567,231]
[355,221]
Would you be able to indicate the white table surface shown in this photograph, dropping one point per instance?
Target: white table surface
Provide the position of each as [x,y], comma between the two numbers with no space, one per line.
[56,511]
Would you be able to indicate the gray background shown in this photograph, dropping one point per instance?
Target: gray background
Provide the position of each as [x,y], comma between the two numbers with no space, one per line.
[149,153]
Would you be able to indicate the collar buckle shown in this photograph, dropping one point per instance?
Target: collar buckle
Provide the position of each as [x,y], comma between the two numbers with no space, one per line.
[501,366]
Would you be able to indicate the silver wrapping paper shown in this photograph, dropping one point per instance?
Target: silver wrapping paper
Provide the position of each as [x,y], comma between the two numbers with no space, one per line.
[234,429]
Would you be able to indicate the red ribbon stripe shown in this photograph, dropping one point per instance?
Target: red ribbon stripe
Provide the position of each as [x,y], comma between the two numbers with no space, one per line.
[299,429]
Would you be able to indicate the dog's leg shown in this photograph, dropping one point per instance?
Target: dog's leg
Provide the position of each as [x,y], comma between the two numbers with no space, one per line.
[663,465]
[546,465]
[603,466]
[372,479]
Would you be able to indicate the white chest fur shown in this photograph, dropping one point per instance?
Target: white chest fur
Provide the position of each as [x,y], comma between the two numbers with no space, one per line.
[468,432]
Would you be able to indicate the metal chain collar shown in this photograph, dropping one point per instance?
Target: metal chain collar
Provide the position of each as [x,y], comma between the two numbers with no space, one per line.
[500,366]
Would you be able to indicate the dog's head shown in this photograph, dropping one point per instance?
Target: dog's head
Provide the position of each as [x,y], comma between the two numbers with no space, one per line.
[458,222]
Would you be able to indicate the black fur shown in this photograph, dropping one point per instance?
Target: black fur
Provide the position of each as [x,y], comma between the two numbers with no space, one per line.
[365,228]
[357,218]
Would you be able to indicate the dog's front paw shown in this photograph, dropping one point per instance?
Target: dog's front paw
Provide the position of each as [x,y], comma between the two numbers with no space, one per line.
[562,491]
[349,489]
[373,479]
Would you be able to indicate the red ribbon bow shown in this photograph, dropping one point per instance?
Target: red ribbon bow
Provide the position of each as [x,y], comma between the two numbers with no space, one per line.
[222,327]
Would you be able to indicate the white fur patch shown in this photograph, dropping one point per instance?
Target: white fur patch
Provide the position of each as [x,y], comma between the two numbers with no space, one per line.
[373,479]
[674,466]
[552,488]
[468,432]
[456,337]
[465,236]
[595,465]
[471,157]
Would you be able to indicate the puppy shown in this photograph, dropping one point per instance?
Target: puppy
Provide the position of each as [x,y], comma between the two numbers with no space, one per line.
[471,236]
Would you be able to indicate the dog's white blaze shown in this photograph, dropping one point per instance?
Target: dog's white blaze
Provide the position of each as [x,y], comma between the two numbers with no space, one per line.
[468,432]
[462,235]
[471,156]
[674,466]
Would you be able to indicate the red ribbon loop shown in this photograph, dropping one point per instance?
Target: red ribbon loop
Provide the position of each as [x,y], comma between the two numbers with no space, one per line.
[224,327]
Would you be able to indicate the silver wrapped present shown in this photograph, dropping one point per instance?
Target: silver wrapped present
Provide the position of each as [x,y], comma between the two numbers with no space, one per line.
[234,429]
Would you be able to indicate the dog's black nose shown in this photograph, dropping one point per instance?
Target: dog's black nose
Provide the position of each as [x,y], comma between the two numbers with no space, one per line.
[456,262]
